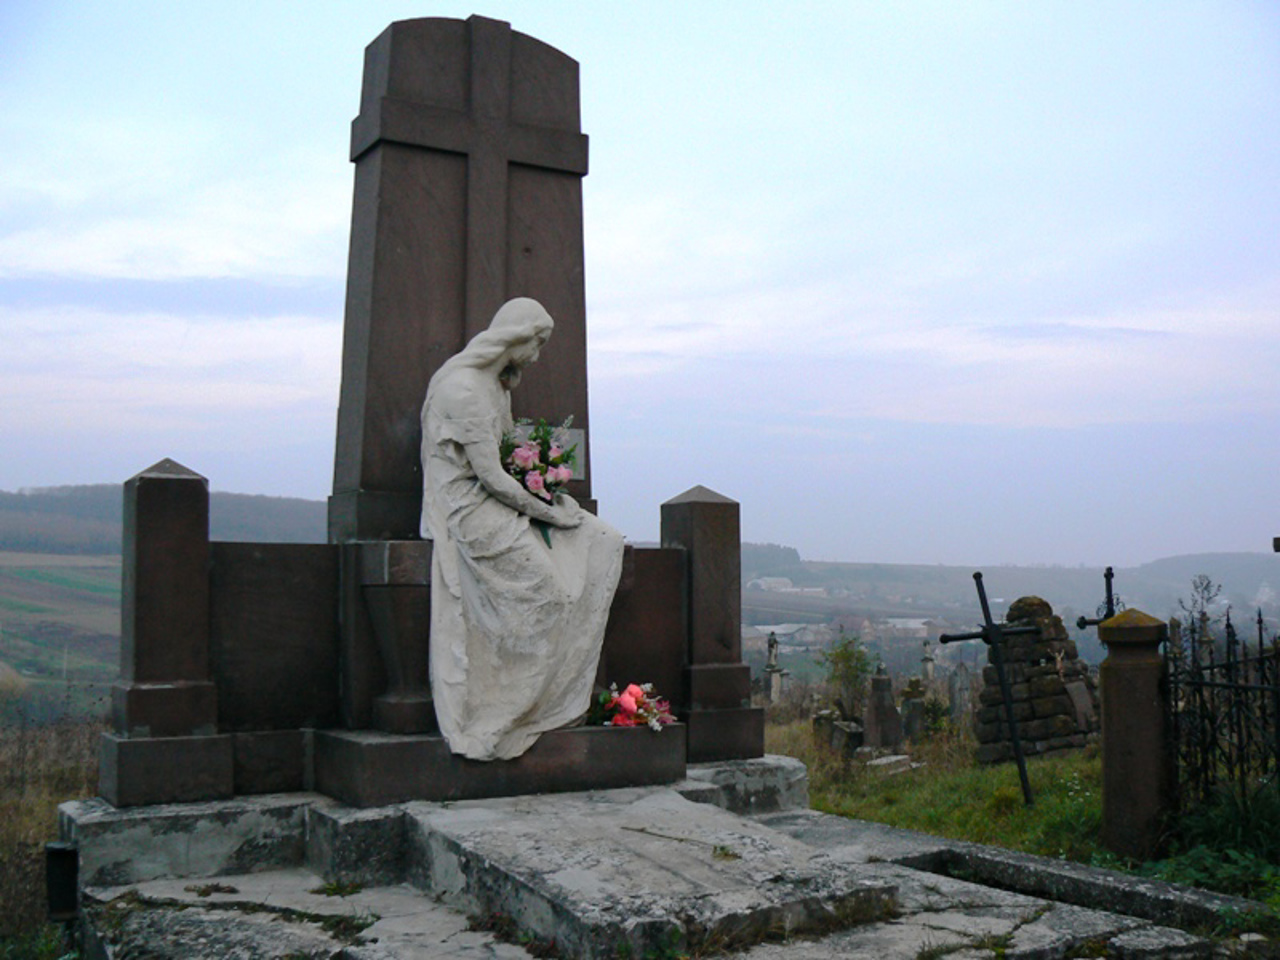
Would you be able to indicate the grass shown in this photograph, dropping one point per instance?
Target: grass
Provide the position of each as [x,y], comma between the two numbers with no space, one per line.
[1226,846]
[951,796]
[22,606]
[40,767]
[86,582]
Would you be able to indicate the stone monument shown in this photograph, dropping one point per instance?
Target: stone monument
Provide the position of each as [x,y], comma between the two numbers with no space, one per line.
[881,722]
[267,668]
[1055,702]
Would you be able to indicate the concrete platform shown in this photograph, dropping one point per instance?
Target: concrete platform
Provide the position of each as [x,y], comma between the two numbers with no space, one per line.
[294,913]
[634,872]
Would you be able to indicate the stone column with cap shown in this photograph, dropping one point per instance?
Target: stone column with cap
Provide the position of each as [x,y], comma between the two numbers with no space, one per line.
[1137,774]
[164,746]
[722,723]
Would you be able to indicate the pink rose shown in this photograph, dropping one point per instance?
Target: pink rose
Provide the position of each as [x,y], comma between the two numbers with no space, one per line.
[634,692]
[627,702]
[559,474]
[554,452]
[525,456]
[533,480]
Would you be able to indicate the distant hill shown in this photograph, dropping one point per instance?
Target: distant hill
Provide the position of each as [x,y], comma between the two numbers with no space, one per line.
[1250,581]
[87,519]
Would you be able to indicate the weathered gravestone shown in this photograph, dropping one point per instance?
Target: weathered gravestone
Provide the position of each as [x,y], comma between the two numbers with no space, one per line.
[960,695]
[262,668]
[912,712]
[882,724]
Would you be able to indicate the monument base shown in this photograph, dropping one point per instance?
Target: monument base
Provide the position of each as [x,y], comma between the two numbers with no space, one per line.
[365,768]
[736,733]
[135,771]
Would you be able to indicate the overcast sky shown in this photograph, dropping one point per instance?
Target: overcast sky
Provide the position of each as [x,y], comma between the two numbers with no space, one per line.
[960,283]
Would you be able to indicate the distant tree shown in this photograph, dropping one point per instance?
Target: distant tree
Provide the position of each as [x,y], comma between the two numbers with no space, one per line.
[769,559]
[1204,594]
[848,666]
[87,519]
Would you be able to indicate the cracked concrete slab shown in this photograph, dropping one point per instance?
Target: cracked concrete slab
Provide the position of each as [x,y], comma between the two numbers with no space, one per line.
[639,870]
[283,913]
[858,841]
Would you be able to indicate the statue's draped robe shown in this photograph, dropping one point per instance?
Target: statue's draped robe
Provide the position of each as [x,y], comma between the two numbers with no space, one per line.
[516,627]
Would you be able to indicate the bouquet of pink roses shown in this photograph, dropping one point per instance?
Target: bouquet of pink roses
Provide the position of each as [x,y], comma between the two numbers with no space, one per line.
[636,706]
[542,461]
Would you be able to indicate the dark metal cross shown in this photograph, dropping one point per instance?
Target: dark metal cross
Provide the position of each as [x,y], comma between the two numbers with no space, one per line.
[1108,609]
[991,633]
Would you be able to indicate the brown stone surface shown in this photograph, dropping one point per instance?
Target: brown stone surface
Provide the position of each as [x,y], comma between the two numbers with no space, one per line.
[165,613]
[645,640]
[469,157]
[395,563]
[719,686]
[367,769]
[400,616]
[178,709]
[726,734]
[395,593]
[164,643]
[270,761]
[706,525]
[138,772]
[274,635]
[359,662]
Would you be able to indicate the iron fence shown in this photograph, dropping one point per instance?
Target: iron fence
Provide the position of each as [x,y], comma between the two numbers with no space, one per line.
[1223,708]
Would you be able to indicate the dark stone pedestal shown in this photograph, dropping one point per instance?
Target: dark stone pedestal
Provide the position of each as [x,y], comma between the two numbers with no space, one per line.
[734,734]
[150,770]
[366,768]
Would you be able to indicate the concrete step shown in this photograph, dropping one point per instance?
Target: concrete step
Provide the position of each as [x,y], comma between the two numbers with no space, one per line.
[634,872]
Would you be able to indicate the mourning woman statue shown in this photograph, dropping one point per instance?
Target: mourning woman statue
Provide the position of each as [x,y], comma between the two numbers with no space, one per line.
[517,620]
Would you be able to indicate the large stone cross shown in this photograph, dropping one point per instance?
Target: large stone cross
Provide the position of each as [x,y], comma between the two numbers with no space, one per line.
[469,159]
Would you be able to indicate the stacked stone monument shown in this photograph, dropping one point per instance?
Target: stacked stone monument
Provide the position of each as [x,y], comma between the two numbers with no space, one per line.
[1055,701]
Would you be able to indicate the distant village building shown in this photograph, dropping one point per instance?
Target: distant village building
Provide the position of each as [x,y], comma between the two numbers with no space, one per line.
[784,585]
[770,583]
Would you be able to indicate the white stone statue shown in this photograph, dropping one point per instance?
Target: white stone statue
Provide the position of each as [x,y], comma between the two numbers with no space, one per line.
[516,625]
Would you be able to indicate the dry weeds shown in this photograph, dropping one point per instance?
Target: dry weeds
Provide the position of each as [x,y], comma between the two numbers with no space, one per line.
[40,767]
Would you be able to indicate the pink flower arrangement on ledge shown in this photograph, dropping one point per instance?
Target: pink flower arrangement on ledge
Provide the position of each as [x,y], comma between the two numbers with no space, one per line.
[635,706]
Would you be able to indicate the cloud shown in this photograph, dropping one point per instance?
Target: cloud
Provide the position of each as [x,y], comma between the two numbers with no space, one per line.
[811,353]
[105,373]
[175,195]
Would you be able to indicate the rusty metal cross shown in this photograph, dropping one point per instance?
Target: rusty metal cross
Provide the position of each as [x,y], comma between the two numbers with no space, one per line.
[991,634]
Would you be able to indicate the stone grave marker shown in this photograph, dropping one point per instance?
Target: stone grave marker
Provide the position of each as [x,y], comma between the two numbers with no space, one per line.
[881,722]
[270,668]
[960,695]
